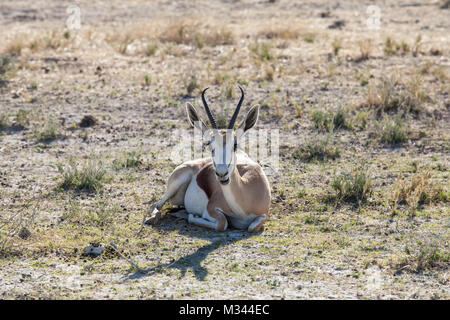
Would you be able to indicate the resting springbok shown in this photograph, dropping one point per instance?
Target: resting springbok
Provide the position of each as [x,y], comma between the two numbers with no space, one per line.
[227,187]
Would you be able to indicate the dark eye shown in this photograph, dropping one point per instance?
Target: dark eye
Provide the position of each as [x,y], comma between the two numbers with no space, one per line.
[206,144]
[235,145]
[212,152]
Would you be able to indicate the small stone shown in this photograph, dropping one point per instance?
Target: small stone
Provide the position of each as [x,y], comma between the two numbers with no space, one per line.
[24,233]
[92,250]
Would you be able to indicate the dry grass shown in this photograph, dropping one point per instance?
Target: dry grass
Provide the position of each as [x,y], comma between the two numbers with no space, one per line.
[14,47]
[273,32]
[392,46]
[391,96]
[191,33]
[423,257]
[365,49]
[419,190]
[15,226]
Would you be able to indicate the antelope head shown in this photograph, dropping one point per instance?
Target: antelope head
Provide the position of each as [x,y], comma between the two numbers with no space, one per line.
[223,143]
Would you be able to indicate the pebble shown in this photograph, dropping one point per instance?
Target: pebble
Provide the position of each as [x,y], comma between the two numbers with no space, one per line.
[93,250]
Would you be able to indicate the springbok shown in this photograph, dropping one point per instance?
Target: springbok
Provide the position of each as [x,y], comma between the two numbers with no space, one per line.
[227,187]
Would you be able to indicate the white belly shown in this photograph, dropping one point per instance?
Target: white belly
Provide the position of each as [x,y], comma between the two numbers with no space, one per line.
[195,199]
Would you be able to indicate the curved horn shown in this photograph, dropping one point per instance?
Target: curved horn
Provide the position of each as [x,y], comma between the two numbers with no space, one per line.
[208,112]
[236,112]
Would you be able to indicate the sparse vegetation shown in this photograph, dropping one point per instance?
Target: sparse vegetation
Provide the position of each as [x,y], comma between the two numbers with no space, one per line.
[262,51]
[327,121]
[422,258]
[4,121]
[188,33]
[128,160]
[151,49]
[279,33]
[6,66]
[191,84]
[321,148]
[365,49]
[420,190]
[393,131]
[310,37]
[337,46]
[89,177]
[322,120]
[49,133]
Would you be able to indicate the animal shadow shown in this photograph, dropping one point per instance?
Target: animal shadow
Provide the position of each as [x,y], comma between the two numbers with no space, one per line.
[194,260]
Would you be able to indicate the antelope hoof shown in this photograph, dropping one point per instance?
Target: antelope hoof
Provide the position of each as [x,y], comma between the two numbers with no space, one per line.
[155,216]
[257,228]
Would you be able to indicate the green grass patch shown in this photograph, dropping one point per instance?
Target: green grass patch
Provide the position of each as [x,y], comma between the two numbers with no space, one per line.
[355,187]
[49,133]
[393,131]
[128,160]
[89,177]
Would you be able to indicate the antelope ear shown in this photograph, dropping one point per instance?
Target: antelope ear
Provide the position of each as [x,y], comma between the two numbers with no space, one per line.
[194,119]
[249,122]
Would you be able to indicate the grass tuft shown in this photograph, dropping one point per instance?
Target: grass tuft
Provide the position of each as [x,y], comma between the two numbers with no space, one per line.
[390,96]
[353,188]
[262,51]
[88,178]
[393,131]
[4,121]
[320,148]
[50,133]
[418,191]
[129,160]
[327,121]
[6,66]
[424,257]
